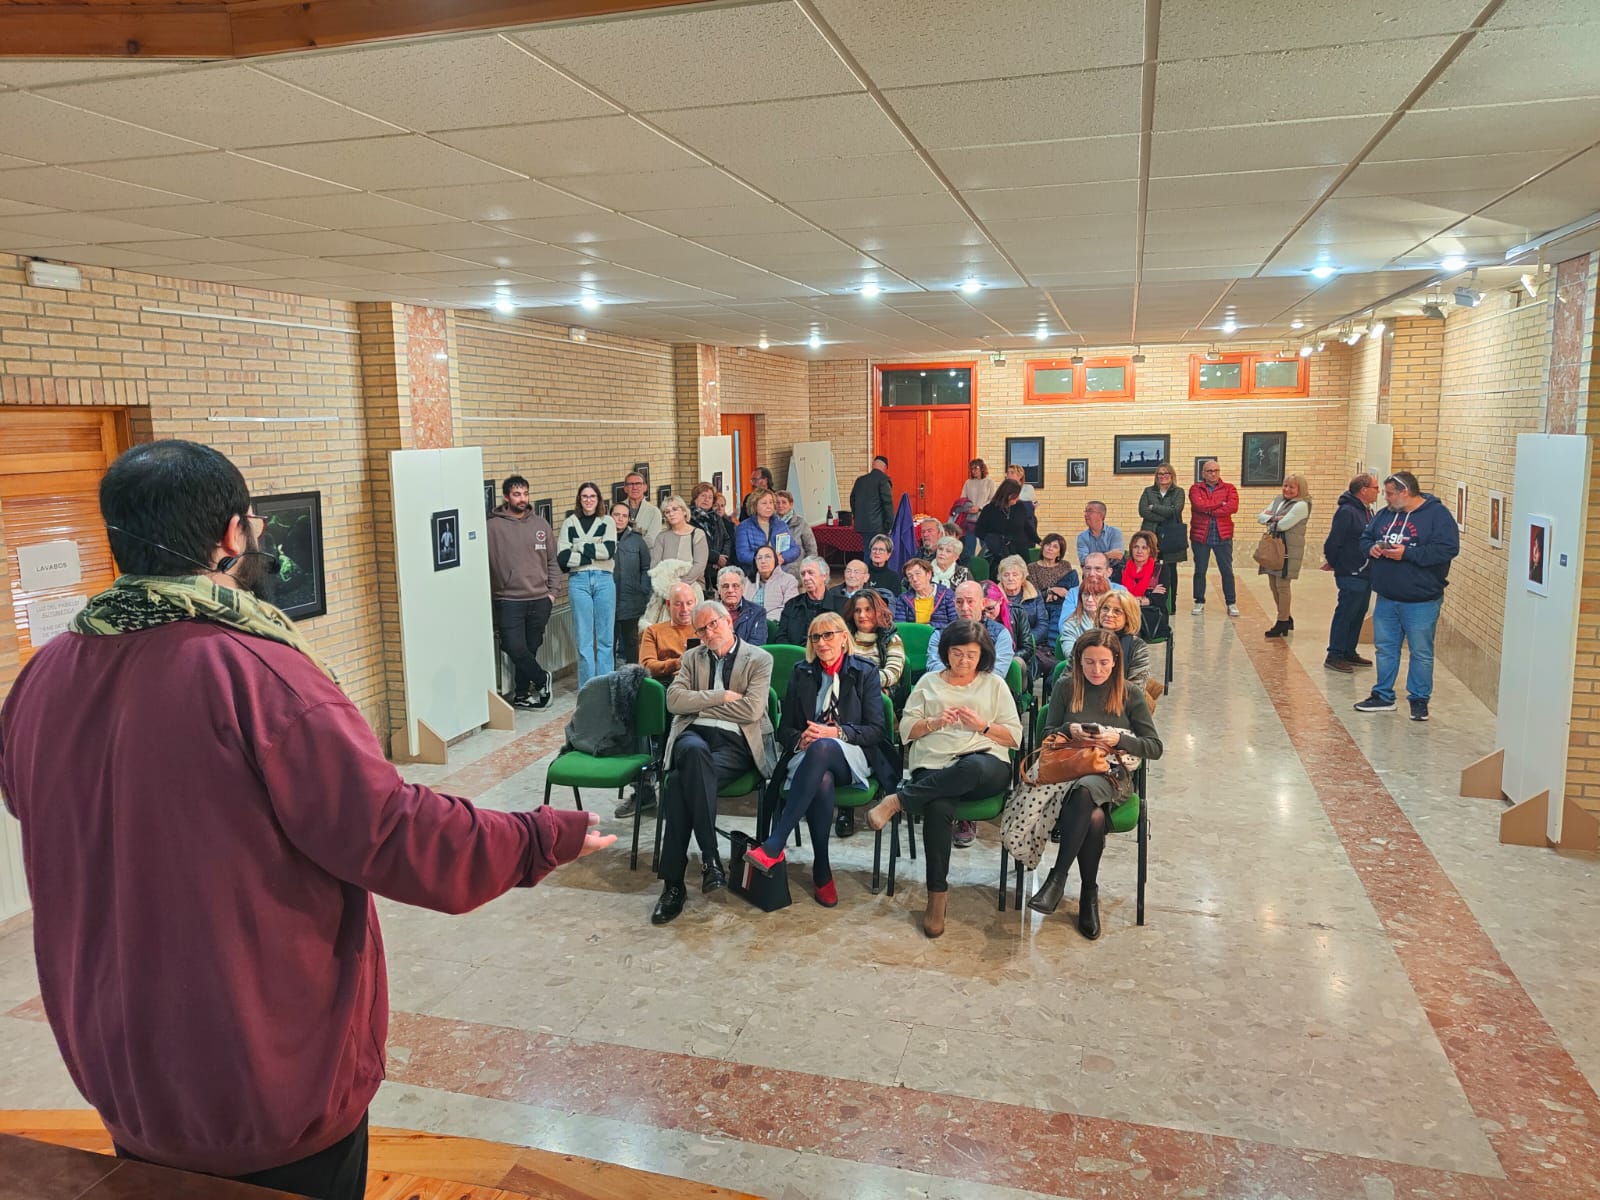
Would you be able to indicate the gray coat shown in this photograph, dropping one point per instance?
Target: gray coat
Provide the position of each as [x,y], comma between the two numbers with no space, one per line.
[691,695]
[633,575]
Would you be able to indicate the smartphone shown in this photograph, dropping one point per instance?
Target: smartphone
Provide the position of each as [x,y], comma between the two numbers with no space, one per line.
[1090,730]
[691,643]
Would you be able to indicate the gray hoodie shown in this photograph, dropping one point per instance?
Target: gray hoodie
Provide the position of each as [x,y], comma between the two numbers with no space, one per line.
[520,549]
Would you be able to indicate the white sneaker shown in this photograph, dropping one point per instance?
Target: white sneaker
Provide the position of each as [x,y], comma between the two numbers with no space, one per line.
[1199,610]
[1233,610]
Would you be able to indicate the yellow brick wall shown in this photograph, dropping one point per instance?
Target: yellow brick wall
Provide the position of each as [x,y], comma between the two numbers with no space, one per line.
[226,353]
[1413,405]
[1583,758]
[1365,360]
[775,388]
[841,413]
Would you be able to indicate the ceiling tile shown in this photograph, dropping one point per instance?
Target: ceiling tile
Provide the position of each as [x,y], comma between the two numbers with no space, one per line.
[16,208]
[483,79]
[555,149]
[1334,81]
[810,241]
[207,220]
[1333,142]
[1510,66]
[197,250]
[1199,191]
[323,244]
[1492,129]
[214,273]
[534,258]
[58,187]
[690,188]
[231,107]
[819,127]
[578,229]
[761,52]
[29,73]
[1476,172]
[452,235]
[39,128]
[1198,28]
[905,42]
[216,176]
[883,211]
[100,256]
[743,218]
[9,162]
[1039,108]
[841,178]
[1078,160]
[1577,183]
[1059,200]
[80,228]
[405,262]
[296,267]
[516,200]
[382,164]
[349,210]
[953,236]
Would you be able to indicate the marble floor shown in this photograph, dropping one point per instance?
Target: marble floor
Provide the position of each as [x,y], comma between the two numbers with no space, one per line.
[1346,988]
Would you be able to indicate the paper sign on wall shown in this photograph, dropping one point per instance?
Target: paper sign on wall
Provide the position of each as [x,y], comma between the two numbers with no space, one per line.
[48,565]
[52,615]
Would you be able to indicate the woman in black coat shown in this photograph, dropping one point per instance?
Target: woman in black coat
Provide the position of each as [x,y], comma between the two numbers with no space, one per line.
[719,531]
[833,734]
[1006,527]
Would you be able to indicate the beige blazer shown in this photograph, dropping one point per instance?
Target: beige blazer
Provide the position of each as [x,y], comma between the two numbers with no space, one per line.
[691,695]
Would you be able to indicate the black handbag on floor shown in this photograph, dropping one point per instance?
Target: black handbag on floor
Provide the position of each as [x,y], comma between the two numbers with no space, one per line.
[767,892]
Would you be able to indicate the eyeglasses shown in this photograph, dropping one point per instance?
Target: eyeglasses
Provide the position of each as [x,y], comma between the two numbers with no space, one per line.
[701,630]
[825,635]
[258,523]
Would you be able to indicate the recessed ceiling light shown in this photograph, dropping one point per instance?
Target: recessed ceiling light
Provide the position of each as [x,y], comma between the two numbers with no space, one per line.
[589,303]
[870,289]
[504,304]
[763,343]
[1324,271]
[1042,334]
[971,287]
[1297,323]
[1230,326]
[1454,263]
[815,341]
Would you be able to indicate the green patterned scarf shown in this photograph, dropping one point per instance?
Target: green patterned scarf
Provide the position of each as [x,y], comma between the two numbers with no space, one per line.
[144,601]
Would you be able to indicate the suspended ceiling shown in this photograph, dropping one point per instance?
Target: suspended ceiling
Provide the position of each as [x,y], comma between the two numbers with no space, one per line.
[1111,173]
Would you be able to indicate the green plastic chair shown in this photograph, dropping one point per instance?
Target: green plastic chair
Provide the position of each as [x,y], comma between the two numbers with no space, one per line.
[987,809]
[915,638]
[577,770]
[1167,641]
[1034,554]
[979,568]
[1025,704]
[772,629]
[784,660]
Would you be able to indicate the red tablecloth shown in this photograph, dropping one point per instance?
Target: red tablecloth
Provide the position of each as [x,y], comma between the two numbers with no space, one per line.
[838,543]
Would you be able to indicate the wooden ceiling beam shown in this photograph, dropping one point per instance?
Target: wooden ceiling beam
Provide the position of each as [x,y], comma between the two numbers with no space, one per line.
[252,28]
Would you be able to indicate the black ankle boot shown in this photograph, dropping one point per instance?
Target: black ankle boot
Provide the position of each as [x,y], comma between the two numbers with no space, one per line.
[1049,896]
[1089,912]
[1279,630]
[1290,622]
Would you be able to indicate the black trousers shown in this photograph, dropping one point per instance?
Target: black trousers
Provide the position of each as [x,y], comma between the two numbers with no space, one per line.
[625,641]
[703,758]
[933,796]
[521,624]
[337,1173]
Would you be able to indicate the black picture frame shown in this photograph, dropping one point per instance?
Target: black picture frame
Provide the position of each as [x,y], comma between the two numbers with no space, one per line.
[1139,453]
[546,508]
[662,493]
[1200,460]
[491,496]
[619,495]
[446,531]
[294,533]
[1261,459]
[644,469]
[1027,453]
[1077,472]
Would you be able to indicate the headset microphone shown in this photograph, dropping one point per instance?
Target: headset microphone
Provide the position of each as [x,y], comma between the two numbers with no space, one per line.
[224,564]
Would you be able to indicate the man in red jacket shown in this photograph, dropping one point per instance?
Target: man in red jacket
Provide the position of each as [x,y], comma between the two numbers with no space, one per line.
[1213,504]
[204,818]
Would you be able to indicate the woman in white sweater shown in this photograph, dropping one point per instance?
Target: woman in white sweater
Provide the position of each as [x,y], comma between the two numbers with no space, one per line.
[681,542]
[1286,516]
[586,551]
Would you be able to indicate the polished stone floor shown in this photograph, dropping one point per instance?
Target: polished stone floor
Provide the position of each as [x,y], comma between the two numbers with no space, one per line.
[1346,988]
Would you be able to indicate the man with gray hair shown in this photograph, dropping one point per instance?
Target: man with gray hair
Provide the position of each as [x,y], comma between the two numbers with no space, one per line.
[720,730]
[794,623]
[1342,554]
[749,618]
[662,645]
[1098,537]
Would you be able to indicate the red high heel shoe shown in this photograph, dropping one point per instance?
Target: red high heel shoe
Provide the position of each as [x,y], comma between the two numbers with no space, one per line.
[828,895]
[758,858]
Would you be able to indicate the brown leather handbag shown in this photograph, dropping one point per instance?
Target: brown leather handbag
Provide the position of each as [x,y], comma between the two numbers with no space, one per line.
[1059,760]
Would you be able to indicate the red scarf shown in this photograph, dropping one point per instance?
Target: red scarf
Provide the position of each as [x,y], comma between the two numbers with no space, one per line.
[833,670]
[1137,580]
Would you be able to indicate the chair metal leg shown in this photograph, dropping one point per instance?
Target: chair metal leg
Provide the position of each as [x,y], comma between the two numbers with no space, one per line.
[894,849]
[547,793]
[1005,870]
[638,821]
[1170,645]
[1144,841]
[877,859]
[911,835]
[1018,896]
[578,796]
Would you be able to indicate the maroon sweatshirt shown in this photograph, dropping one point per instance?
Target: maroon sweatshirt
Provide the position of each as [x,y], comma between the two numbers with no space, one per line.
[204,816]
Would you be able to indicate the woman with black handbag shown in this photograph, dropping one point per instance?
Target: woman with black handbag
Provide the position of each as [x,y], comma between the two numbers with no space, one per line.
[1161,506]
[1093,706]
[1285,518]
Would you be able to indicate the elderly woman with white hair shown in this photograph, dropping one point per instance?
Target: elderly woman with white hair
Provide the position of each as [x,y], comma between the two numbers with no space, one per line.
[947,571]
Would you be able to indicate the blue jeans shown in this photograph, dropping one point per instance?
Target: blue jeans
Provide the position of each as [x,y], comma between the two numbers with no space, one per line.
[1202,557]
[593,596]
[1355,597]
[1413,620]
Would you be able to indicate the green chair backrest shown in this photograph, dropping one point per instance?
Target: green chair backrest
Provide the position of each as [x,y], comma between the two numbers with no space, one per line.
[915,638]
[772,629]
[784,660]
[774,708]
[979,566]
[650,709]
[1055,675]
[1014,677]
[1034,554]
[889,720]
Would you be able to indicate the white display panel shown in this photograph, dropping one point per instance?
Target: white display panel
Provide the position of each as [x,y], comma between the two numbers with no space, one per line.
[812,480]
[716,455]
[1380,454]
[1538,647]
[446,623]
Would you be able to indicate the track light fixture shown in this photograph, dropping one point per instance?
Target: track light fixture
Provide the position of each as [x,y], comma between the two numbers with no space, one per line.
[1077,359]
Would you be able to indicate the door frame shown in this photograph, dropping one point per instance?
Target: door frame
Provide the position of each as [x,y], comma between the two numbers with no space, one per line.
[971,406]
[743,463]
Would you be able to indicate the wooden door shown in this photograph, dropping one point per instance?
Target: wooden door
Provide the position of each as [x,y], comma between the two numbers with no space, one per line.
[928,445]
[945,458]
[51,461]
[900,441]
[741,427]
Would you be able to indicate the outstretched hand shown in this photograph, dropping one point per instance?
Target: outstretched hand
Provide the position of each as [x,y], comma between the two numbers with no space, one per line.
[593,841]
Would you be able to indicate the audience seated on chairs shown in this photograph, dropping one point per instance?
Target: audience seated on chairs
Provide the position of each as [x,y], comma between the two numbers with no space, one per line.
[929,531]
[879,573]
[799,527]
[680,541]
[771,588]
[1098,537]
[760,480]
[856,579]
[959,727]
[1077,611]
[873,636]
[749,618]
[832,733]
[632,574]
[1005,526]
[1161,507]
[662,645]
[1053,576]
[1028,608]
[1119,612]
[811,603]
[720,730]
[1093,704]
[969,607]
[1146,582]
[947,568]
[763,527]
[968,543]
[719,531]
[998,609]
[924,602]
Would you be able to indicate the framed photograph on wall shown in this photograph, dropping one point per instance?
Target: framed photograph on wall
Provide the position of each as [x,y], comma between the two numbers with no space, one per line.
[644,469]
[1027,453]
[1541,552]
[1497,519]
[546,508]
[1262,459]
[1077,472]
[619,495]
[294,534]
[1138,453]
[491,496]
[662,493]
[446,539]
[1200,462]
[1461,506]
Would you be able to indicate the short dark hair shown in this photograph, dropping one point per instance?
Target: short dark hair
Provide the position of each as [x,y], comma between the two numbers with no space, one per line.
[1060,543]
[601,509]
[1406,480]
[967,633]
[512,481]
[179,494]
[879,458]
[765,473]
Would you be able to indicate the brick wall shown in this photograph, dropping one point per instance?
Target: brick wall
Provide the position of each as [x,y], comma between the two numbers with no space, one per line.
[1413,403]
[841,413]
[1366,359]
[775,388]
[199,370]
[1580,348]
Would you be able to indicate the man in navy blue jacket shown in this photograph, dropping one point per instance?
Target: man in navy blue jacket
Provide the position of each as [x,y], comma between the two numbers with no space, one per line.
[1341,554]
[1410,544]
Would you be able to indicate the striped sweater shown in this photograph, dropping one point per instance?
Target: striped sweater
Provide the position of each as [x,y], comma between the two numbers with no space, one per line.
[590,548]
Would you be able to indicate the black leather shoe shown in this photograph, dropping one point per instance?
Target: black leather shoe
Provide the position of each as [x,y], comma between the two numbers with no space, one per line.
[1089,913]
[670,905]
[712,878]
[1048,897]
[1357,661]
[844,823]
[1279,630]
